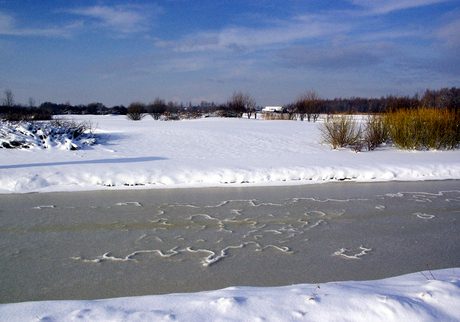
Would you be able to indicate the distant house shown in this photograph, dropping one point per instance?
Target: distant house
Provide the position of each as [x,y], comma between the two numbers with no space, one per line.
[272,109]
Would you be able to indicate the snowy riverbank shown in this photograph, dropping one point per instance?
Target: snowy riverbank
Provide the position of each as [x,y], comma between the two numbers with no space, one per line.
[210,152]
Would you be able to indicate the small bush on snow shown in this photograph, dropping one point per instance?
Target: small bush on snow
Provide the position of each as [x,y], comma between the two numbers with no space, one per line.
[59,133]
[136,111]
[340,131]
[376,131]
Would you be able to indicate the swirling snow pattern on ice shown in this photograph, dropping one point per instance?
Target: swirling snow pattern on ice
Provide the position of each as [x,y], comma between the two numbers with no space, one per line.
[343,252]
[214,232]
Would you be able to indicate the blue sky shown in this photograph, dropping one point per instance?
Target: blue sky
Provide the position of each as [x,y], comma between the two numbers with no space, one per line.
[117,52]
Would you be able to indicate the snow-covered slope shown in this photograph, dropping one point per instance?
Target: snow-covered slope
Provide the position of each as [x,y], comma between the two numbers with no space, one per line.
[210,152]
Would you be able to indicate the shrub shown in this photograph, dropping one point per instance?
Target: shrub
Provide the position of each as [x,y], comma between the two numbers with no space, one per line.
[340,131]
[409,129]
[424,129]
[157,108]
[225,111]
[136,111]
[70,128]
[375,132]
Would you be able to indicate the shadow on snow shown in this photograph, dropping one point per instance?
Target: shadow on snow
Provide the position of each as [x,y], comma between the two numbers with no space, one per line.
[100,161]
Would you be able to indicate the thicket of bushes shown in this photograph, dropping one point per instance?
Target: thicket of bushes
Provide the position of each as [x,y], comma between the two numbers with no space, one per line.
[411,129]
[424,128]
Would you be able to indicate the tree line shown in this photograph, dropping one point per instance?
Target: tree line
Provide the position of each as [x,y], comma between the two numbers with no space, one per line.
[307,106]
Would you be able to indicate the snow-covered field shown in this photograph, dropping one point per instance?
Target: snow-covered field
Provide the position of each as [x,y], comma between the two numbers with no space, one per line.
[411,297]
[210,152]
[214,152]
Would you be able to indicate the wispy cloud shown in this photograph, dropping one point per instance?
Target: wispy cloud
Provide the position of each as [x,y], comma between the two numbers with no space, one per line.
[9,26]
[6,21]
[121,18]
[332,40]
[242,39]
[336,56]
[387,6]
[450,35]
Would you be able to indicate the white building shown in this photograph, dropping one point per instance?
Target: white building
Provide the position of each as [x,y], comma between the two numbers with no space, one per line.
[272,109]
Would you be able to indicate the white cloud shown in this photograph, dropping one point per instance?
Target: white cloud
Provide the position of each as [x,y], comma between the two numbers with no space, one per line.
[125,19]
[8,26]
[450,34]
[6,22]
[449,47]
[386,6]
[241,39]
[122,19]
[330,41]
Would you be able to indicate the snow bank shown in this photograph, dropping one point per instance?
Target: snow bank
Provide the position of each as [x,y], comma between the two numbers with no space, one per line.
[425,296]
[61,134]
[210,152]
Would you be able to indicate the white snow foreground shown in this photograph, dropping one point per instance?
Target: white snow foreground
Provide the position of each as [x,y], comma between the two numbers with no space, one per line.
[413,297]
[209,152]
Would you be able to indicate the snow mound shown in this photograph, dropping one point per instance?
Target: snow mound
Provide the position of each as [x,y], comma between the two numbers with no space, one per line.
[62,134]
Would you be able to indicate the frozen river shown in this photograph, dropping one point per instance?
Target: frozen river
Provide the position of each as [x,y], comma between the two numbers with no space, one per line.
[99,244]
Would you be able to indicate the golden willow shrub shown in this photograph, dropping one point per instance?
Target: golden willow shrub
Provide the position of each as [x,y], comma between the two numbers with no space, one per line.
[411,129]
[424,129]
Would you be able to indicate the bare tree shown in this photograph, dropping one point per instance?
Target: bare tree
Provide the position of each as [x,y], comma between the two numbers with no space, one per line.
[242,103]
[172,112]
[309,104]
[8,101]
[291,109]
[32,102]
[157,108]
